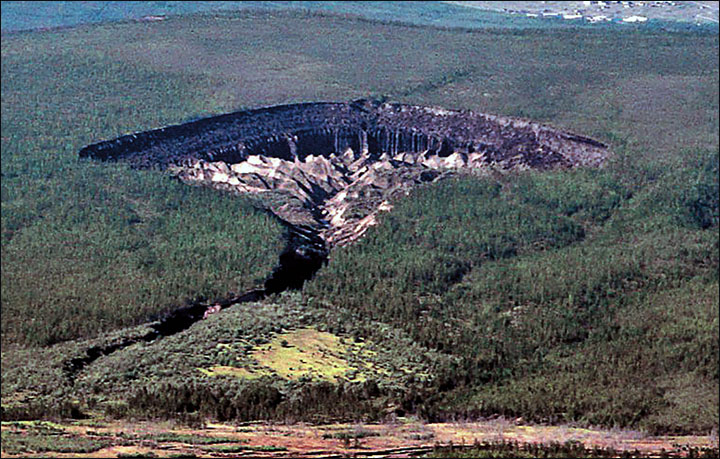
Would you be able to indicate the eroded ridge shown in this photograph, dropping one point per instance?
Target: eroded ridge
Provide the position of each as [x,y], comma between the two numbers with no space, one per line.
[335,166]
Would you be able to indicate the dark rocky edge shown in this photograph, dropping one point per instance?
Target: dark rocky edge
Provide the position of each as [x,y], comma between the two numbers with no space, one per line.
[326,170]
[334,166]
[320,128]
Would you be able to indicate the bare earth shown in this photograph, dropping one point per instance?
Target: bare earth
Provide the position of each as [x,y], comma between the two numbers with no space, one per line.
[404,438]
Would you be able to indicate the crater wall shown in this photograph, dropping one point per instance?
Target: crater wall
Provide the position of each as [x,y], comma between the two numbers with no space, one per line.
[333,166]
[321,128]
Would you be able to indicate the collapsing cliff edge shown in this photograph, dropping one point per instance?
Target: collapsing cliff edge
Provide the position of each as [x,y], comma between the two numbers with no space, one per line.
[329,168]
[326,170]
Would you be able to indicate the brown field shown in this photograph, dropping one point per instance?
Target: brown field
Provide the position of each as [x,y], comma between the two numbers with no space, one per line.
[403,438]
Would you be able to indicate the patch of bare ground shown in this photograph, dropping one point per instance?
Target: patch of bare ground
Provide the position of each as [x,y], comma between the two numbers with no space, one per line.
[336,166]
[402,438]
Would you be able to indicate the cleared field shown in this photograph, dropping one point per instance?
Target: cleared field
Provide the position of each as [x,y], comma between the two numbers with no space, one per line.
[404,438]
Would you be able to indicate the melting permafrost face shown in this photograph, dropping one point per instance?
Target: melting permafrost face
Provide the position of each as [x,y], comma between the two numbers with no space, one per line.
[334,166]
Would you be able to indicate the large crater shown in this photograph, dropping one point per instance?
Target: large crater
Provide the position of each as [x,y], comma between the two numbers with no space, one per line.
[331,167]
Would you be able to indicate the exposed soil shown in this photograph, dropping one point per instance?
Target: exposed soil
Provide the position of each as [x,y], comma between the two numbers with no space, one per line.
[327,170]
[332,167]
[403,438]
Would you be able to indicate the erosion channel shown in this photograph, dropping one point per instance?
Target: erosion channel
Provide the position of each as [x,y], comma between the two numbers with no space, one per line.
[327,170]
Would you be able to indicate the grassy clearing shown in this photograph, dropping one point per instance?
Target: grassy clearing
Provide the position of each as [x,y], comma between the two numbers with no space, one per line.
[192,439]
[29,438]
[309,353]
[212,372]
[221,370]
[226,448]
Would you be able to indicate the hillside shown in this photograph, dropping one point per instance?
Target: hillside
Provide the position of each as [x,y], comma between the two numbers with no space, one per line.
[585,295]
[44,15]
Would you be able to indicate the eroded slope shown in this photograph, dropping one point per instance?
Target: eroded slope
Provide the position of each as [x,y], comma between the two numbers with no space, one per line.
[334,166]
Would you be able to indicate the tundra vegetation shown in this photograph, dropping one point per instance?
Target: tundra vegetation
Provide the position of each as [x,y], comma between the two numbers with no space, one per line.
[586,296]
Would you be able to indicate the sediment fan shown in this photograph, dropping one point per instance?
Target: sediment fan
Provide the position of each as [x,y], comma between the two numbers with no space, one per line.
[334,165]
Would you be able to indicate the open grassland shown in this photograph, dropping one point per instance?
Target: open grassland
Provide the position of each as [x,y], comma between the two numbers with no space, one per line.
[312,354]
[586,296]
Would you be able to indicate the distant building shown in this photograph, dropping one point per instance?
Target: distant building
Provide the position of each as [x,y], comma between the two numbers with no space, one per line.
[599,18]
[635,19]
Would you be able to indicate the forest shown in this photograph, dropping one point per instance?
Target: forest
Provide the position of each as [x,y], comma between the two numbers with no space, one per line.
[584,296]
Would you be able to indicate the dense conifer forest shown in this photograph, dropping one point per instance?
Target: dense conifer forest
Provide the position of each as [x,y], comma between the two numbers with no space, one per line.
[586,296]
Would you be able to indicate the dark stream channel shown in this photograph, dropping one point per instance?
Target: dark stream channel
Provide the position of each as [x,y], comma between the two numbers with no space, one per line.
[304,254]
